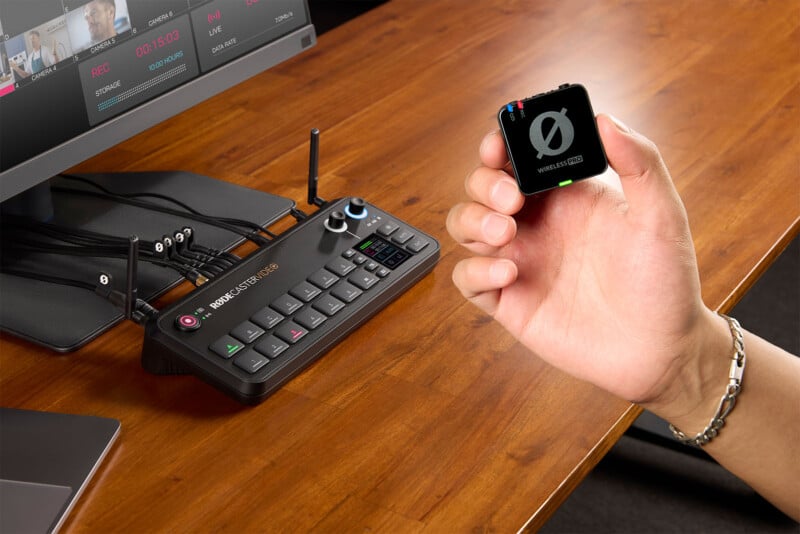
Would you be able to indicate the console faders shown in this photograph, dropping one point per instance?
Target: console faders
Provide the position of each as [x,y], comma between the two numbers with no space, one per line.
[253,328]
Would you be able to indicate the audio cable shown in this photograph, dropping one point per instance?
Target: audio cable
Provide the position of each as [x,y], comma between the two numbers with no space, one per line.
[247,229]
[180,252]
[142,310]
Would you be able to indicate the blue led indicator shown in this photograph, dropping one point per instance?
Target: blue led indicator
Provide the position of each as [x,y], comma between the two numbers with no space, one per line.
[510,108]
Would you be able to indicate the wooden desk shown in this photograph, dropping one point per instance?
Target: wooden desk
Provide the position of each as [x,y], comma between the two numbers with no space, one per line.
[430,417]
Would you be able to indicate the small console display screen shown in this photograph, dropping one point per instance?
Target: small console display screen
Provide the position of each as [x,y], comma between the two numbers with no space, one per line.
[384,252]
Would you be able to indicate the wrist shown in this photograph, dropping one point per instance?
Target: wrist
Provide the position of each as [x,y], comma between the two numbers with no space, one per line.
[700,378]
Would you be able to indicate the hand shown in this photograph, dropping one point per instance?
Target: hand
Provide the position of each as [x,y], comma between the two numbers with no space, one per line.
[19,70]
[600,283]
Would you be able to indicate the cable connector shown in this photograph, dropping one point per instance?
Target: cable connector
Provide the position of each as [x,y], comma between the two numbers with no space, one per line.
[141,311]
[144,312]
[299,215]
[106,290]
[196,278]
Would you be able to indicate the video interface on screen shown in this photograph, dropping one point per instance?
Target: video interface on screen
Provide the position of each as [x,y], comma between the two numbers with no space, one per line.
[69,65]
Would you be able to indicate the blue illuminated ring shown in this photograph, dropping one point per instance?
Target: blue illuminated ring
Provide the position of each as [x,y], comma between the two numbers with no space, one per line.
[349,214]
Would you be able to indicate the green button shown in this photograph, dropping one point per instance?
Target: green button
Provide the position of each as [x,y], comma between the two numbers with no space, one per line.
[226,346]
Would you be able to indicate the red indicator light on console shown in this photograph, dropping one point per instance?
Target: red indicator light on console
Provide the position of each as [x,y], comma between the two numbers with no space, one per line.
[187,323]
[519,104]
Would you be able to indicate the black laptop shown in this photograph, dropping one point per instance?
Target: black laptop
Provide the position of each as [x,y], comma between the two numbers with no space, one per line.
[46,460]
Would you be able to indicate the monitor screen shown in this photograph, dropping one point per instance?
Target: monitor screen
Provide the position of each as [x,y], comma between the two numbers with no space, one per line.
[76,78]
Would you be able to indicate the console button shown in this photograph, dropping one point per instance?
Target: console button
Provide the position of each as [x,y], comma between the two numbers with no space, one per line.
[417,244]
[323,279]
[402,236]
[310,318]
[388,229]
[250,361]
[291,332]
[305,291]
[247,332]
[271,347]
[226,346]
[328,305]
[286,304]
[187,323]
[267,318]
[346,292]
[340,266]
[363,279]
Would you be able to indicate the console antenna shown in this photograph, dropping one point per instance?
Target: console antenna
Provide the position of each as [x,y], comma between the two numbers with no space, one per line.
[313,170]
[131,289]
[135,309]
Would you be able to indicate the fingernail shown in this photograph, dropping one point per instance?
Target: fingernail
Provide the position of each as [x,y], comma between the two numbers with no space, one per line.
[504,194]
[495,226]
[619,124]
[500,273]
[486,139]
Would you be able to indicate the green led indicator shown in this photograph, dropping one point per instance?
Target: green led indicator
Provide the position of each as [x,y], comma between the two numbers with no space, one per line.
[365,245]
[232,348]
[565,182]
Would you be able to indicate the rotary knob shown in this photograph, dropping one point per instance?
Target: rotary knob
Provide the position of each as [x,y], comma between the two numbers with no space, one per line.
[356,208]
[336,222]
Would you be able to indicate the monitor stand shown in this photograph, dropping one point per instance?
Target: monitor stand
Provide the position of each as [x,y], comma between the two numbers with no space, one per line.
[64,318]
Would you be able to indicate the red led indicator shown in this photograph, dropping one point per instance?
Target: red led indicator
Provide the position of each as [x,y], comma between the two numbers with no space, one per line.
[187,322]
[519,104]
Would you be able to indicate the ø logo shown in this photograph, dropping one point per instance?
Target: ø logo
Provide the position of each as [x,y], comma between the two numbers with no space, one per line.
[541,140]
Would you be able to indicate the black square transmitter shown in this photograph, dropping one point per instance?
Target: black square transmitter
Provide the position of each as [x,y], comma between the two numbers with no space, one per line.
[552,139]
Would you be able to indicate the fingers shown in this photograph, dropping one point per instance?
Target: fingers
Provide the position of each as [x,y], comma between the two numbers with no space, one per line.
[479,228]
[495,189]
[487,223]
[493,151]
[481,280]
[646,183]
[491,185]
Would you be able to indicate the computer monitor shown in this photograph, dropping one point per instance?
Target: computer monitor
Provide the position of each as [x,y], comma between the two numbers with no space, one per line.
[78,77]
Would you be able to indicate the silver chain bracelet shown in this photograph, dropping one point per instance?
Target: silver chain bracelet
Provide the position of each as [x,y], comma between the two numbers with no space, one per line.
[728,400]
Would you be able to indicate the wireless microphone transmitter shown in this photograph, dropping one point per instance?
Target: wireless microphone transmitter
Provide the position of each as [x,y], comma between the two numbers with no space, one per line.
[552,139]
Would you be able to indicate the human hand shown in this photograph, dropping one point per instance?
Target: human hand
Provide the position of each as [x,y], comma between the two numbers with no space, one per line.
[600,283]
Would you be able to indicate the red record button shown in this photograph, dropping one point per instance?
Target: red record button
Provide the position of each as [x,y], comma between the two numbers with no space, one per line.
[187,323]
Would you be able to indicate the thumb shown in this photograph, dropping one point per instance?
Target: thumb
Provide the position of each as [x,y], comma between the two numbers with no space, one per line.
[646,182]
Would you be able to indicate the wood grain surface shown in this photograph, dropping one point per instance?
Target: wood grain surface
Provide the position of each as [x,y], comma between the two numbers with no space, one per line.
[430,418]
